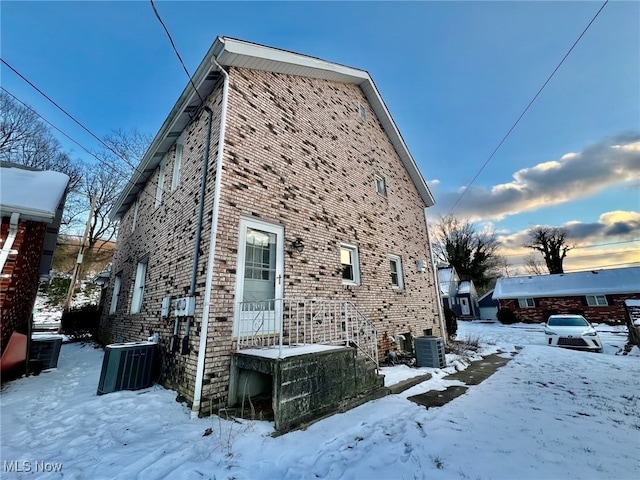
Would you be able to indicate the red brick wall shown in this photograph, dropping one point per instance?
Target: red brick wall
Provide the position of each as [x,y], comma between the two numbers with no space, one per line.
[19,280]
[296,154]
[613,313]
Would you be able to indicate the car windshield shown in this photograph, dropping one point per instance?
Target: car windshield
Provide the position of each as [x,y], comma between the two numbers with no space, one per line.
[567,322]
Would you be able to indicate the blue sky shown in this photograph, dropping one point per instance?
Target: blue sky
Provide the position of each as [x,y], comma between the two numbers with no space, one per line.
[454,75]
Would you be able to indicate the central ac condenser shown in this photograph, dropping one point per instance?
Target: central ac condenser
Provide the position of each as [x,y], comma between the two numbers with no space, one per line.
[127,366]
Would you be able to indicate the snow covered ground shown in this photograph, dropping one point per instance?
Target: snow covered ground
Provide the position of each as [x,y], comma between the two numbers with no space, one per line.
[548,414]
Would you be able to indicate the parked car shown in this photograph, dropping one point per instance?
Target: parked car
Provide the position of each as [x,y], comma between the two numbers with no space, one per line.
[572,331]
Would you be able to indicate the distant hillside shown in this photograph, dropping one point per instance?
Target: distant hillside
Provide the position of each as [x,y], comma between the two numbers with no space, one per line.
[95,260]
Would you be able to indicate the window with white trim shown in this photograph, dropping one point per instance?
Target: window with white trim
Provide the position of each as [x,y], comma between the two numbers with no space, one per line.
[177,162]
[395,267]
[117,282]
[381,185]
[526,303]
[349,261]
[362,111]
[136,209]
[160,186]
[138,286]
[597,300]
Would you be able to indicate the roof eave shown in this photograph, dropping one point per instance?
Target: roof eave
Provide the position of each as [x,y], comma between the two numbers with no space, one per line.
[237,53]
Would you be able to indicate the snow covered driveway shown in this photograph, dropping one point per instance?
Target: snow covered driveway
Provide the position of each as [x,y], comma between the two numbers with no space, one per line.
[549,413]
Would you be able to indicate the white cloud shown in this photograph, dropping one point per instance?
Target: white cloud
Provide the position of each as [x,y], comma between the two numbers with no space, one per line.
[611,241]
[614,161]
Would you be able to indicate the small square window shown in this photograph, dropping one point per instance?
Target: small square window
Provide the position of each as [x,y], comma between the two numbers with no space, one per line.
[381,185]
[362,111]
[597,300]
[395,267]
[349,262]
[526,303]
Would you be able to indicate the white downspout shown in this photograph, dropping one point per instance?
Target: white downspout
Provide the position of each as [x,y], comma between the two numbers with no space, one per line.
[436,282]
[13,231]
[204,324]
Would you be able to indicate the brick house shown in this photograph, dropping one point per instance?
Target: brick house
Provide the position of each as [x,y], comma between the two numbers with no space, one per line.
[30,223]
[318,217]
[598,295]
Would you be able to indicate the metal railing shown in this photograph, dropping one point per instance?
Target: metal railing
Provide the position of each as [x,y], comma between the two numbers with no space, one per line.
[291,322]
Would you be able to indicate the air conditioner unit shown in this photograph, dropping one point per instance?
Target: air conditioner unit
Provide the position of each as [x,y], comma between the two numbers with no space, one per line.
[185,307]
[430,352]
[127,366]
[45,351]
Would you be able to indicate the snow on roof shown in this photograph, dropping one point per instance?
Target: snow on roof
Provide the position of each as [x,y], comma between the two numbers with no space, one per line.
[464,287]
[597,282]
[34,194]
[444,276]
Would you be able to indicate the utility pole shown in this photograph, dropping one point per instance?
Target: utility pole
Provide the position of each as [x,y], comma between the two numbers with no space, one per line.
[76,269]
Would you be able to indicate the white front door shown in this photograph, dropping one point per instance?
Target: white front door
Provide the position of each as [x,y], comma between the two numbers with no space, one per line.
[259,279]
[464,306]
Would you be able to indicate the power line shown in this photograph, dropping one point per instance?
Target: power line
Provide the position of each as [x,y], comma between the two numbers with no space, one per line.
[603,266]
[581,247]
[604,244]
[526,109]
[100,160]
[155,10]
[107,146]
[123,175]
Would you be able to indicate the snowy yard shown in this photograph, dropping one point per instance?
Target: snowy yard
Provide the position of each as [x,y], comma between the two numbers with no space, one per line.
[549,413]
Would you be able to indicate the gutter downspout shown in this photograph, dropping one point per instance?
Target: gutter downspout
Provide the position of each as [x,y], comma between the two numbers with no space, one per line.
[203,186]
[436,282]
[11,236]
[204,325]
[196,251]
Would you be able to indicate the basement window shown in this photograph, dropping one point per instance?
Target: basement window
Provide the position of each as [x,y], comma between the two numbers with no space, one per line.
[597,300]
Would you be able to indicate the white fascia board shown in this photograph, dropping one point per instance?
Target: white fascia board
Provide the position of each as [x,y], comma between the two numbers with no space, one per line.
[154,155]
[231,52]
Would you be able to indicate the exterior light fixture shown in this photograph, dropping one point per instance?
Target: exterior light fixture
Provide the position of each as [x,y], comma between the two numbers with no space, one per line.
[298,245]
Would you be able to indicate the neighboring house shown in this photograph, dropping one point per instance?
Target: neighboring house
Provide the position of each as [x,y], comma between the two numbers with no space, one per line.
[31,203]
[488,306]
[598,295]
[458,295]
[319,236]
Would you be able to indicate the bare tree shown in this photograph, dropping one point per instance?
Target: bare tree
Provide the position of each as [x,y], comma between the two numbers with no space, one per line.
[552,243]
[505,269]
[107,178]
[471,253]
[26,140]
[533,266]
